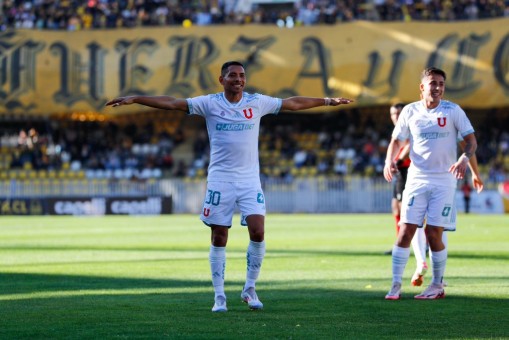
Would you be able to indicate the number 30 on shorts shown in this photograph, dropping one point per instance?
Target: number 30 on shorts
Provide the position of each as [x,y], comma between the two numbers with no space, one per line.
[213,197]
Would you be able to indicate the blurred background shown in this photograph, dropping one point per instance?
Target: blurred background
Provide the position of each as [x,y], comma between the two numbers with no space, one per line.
[63,152]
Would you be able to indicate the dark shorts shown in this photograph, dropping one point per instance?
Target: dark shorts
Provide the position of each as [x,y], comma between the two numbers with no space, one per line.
[399,185]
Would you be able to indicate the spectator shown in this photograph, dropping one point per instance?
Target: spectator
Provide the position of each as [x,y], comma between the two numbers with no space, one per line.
[467,190]
[76,15]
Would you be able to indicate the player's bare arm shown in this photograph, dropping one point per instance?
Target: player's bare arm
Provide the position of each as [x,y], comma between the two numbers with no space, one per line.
[459,168]
[158,102]
[302,103]
[393,149]
[477,181]
[405,152]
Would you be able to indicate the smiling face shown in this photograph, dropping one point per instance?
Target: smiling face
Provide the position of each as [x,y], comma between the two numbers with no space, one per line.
[432,89]
[233,80]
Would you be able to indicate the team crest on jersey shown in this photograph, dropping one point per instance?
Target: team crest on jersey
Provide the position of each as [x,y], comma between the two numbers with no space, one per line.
[442,121]
[206,212]
[248,113]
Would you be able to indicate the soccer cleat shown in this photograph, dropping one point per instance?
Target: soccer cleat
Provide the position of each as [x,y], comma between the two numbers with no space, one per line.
[395,292]
[418,277]
[220,304]
[249,296]
[433,292]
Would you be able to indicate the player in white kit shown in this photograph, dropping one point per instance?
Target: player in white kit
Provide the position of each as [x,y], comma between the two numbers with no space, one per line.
[419,241]
[432,126]
[233,122]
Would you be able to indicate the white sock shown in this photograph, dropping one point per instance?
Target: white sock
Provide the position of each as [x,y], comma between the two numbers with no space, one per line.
[438,262]
[254,256]
[399,260]
[217,260]
[419,246]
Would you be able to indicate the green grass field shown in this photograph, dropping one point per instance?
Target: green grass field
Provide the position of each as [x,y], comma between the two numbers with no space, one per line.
[324,277]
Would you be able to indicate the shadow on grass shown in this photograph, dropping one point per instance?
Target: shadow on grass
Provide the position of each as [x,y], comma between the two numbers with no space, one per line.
[21,283]
[105,307]
[276,252]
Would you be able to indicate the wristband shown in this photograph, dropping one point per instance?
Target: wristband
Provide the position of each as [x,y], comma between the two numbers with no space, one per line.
[327,101]
[463,158]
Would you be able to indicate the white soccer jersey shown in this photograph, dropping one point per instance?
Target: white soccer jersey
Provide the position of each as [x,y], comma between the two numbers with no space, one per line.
[233,130]
[433,136]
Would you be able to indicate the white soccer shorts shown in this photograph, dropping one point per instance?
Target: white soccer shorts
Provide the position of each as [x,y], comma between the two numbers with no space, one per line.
[435,203]
[221,198]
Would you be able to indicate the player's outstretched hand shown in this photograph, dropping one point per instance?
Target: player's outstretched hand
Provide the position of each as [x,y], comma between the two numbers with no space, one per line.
[340,101]
[121,101]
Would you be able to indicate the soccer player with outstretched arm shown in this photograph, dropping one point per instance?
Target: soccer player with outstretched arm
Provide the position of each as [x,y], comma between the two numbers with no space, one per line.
[233,122]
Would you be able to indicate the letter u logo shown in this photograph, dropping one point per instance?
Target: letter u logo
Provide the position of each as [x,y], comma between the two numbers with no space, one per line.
[248,115]
[206,212]
[440,123]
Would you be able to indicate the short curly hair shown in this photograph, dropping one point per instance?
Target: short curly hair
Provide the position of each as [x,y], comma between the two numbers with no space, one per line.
[224,68]
[432,70]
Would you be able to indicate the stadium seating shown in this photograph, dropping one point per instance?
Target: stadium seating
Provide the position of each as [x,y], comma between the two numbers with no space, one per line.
[87,15]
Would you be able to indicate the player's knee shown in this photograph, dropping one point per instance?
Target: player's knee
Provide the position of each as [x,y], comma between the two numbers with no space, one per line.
[404,240]
[406,233]
[257,235]
[433,233]
[434,236]
[219,236]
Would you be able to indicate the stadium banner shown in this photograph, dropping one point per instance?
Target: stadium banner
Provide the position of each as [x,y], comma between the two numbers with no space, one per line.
[77,206]
[98,206]
[22,206]
[503,189]
[138,205]
[374,63]
[485,202]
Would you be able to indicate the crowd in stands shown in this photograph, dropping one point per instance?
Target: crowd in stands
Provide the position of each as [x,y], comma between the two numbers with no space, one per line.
[95,14]
[123,150]
[347,146]
[290,146]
